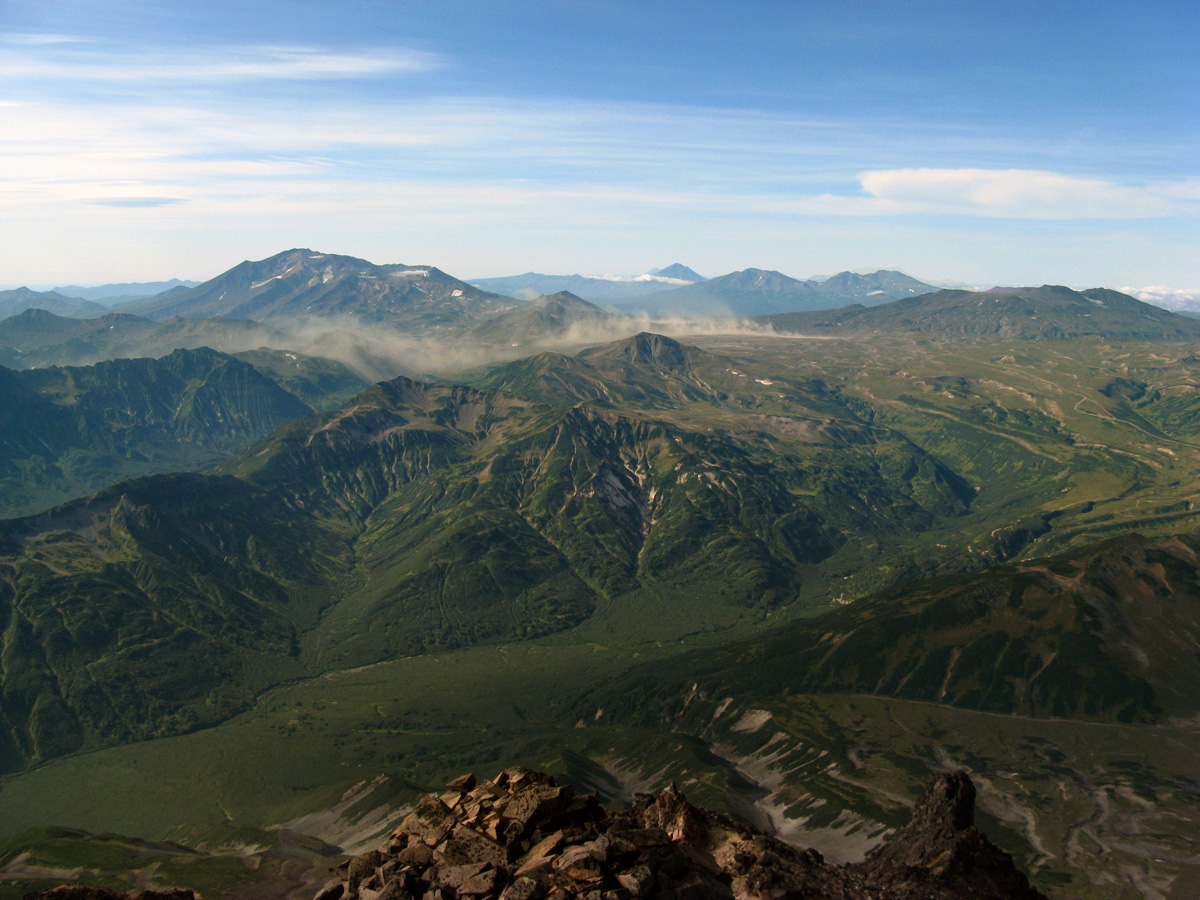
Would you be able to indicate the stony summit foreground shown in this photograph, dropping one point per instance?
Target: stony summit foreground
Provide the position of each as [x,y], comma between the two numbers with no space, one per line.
[523,836]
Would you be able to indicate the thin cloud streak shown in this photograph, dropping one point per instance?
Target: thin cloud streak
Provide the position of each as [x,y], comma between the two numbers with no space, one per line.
[218,64]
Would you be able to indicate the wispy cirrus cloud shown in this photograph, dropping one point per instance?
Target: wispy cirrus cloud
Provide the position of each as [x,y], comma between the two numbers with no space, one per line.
[720,160]
[54,58]
[41,40]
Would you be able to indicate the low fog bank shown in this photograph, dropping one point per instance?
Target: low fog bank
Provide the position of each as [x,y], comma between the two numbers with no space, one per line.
[377,353]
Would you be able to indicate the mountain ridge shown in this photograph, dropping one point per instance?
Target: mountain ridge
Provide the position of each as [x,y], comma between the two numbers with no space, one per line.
[1049,311]
[68,431]
[300,283]
[756,292]
[14,302]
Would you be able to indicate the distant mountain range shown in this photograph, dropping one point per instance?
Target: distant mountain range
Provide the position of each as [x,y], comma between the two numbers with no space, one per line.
[18,300]
[300,284]
[112,294]
[1049,311]
[753,292]
[678,290]
[591,287]
[37,337]
[548,318]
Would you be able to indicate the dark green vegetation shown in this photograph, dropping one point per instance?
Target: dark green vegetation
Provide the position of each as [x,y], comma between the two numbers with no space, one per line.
[1046,312]
[321,383]
[428,580]
[40,338]
[420,518]
[301,284]
[1107,634]
[67,431]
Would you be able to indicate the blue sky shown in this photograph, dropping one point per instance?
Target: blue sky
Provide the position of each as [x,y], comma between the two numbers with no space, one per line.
[988,143]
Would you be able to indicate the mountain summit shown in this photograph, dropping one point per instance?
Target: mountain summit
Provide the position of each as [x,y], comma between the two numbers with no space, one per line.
[546,318]
[680,271]
[300,284]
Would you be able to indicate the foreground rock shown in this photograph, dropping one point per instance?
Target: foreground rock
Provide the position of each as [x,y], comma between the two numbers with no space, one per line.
[522,836]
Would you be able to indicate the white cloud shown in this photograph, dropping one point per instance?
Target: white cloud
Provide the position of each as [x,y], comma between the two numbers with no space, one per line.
[1011,193]
[42,40]
[213,64]
[1166,297]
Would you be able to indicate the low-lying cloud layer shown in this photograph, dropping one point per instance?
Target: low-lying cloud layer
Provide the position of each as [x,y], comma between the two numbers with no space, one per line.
[378,353]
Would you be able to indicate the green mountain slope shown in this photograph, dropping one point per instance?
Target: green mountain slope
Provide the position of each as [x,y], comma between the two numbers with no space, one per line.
[320,383]
[69,431]
[1104,633]
[423,517]
[1026,313]
[392,526]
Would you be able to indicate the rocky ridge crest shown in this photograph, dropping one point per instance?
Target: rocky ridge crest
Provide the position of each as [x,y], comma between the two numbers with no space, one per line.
[523,836]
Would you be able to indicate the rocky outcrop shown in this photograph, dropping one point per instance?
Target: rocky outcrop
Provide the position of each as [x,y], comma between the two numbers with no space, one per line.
[523,836]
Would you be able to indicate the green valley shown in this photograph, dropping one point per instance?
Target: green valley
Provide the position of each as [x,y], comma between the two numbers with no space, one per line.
[716,562]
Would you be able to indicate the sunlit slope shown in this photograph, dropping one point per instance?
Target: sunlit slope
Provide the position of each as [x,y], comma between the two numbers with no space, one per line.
[1065,441]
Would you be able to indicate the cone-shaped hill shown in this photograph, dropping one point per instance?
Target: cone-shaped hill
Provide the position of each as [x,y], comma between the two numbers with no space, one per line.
[554,317]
